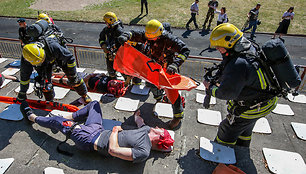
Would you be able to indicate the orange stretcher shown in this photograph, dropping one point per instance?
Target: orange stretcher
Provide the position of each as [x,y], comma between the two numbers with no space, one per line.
[43,105]
[131,62]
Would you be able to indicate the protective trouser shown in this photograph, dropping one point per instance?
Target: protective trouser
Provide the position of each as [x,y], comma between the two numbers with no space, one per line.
[193,18]
[26,69]
[110,68]
[74,80]
[240,131]
[84,136]
[210,14]
[178,110]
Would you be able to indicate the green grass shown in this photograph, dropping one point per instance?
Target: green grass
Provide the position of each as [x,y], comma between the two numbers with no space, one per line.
[175,12]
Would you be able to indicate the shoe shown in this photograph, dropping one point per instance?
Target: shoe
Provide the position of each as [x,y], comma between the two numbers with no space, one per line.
[86,99]
[175,123]
[26,111]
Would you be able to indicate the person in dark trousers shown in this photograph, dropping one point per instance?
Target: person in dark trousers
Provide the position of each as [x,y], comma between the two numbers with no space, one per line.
[145,3]
[108,40]
[284,24]
[242,84]
[161,46]
[22,31]
[212,6]
[131,145]
[43,55]
[194,9]
[253,20]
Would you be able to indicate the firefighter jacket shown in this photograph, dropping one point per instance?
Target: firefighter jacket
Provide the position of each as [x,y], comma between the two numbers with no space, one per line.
[163,49]
[109,36]
[56,54]
[242,78]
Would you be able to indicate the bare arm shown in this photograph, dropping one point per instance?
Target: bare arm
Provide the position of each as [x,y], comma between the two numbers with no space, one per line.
[114,148]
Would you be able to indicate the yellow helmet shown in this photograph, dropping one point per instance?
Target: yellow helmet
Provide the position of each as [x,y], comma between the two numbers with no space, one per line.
[110,18]
[153,29]
[34,53]
[225,35]
[44,16]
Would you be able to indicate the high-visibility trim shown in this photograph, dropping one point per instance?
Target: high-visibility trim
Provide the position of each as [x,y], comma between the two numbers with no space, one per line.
[257,112]
[262,80]
[223,142]
[181,57]
[248,138]
[179,115]
[101,42]
[25,82]
[213,92]
[76,85]
[71,65]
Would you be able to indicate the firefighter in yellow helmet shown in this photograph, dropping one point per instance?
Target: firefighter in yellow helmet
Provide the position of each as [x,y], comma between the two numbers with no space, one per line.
[41,56]
[162,46]
[242,84]
[108,40]
[44,16]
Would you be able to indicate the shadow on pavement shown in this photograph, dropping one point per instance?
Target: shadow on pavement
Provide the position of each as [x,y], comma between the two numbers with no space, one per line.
[137,19]
[187,33]
[204,32]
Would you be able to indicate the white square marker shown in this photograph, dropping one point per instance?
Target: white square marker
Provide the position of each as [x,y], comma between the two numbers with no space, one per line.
[100,72]
[201,87]
[215,152]
[299,129]
[297,99]
[164,110]
[94,96]
[126,104]
[283,162]
[283,110]
[10,71]
[262,126]
[200,99]
[60,93]
[2,60]
[209,117]
[29,91]
[6,81]
[140,90]
[5,164]
[80,69]
[11,112]
[53,170]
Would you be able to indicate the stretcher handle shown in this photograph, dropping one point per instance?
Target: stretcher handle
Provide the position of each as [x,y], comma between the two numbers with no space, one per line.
[148,63]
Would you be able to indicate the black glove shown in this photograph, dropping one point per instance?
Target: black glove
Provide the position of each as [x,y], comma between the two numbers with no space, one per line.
[22,96]
[25,110]
[172,69]
[122,39]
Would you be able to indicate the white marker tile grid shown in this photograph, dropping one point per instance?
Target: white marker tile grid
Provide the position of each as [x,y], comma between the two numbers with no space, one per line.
[209,117]
[126,104]
[283,109]
[164,110]
[200,99]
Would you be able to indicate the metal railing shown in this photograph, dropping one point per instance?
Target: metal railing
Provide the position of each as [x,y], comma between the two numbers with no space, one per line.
[94,57]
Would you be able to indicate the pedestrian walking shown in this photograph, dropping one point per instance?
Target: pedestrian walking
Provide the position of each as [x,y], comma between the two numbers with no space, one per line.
[194,9]
[145,3]
[253,20]
[212,6]
[284,24]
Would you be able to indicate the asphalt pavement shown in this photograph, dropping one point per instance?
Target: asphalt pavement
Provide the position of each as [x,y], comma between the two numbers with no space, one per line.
[34,147]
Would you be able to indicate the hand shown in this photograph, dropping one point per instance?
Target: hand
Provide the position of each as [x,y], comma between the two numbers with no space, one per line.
[138,119]
[104,47]
[117,129]
[206,84]
[172,69]
[122,39]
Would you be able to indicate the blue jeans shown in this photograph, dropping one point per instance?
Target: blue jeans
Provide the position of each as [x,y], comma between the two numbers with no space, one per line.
[251,24]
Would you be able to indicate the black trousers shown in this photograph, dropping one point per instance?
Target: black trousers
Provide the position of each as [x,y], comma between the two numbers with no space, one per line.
[193,18]
[144,2]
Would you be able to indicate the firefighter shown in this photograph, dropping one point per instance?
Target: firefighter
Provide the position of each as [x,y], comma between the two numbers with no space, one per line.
[42,55]
[242,84]
[161,46]
[108,40]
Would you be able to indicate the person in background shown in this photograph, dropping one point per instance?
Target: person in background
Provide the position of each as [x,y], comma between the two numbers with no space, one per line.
[212,6]
[23,36]
[284,24]
[194,9]
[222,18]
[145,3]
[253,20]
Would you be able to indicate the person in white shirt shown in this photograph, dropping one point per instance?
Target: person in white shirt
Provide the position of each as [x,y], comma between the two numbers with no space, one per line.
[222,18]
[194,9]
[284,24]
